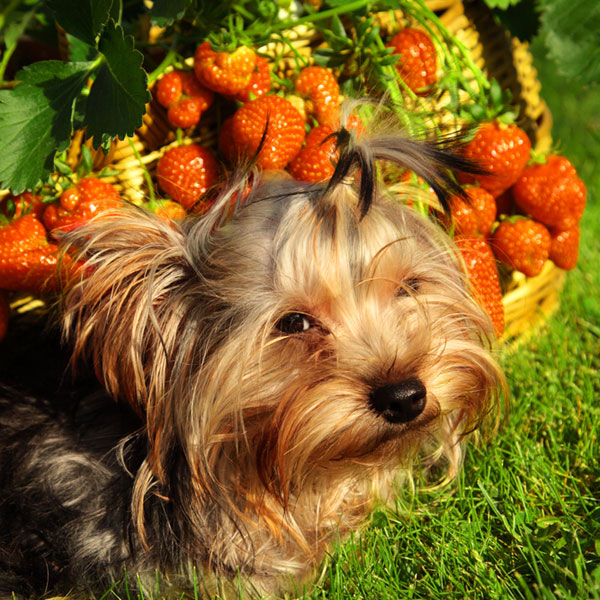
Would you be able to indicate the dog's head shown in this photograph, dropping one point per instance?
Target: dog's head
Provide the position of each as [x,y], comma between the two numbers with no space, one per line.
[300,343]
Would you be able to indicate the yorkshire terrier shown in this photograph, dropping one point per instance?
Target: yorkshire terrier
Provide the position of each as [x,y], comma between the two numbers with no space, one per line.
[280,363]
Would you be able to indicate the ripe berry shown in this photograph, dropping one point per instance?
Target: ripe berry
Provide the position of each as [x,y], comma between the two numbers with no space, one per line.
[186,173]
[417,65]
[273,118]
[502,150]
[522,244]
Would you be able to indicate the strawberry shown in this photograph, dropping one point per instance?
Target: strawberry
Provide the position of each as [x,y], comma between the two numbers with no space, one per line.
[89,197]
[551,193]
[284,129]
[223,72]
[522,244]
[184,97]
[321,88]
[417,65]
[482,272]
[186,173]
[260,82]
[4,313]
[502,150]
[27,261]
[169,88]
[316,161]
[12,207]
[475,215]
[168,210]
[564,248]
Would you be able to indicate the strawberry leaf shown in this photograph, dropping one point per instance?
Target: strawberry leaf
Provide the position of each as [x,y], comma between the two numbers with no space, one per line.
[83,19]
[118,97]
[164,12]
[36,120]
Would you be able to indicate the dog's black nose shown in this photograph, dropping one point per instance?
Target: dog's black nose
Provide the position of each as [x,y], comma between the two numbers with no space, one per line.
[400,402]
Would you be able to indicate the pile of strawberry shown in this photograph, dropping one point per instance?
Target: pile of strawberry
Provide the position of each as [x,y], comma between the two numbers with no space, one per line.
[522,212]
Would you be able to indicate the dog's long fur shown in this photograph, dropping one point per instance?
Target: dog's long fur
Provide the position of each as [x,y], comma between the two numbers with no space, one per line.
[248,344]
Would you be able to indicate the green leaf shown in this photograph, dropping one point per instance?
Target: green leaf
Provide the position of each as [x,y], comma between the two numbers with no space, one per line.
[118,97]
[84,19]
[164,12]
[572,29]
[80,50]
[36,120]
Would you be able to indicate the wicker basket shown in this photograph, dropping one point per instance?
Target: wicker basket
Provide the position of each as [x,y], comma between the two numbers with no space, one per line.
[528,301]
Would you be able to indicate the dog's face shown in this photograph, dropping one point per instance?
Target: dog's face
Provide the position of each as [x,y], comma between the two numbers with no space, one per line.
[293,358]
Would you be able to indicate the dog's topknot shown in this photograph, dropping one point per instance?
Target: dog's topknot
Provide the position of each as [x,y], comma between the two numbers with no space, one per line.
[432,159]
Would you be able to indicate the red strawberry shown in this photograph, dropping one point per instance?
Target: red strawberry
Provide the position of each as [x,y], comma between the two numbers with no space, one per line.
[522,244]
[284,128]
[186,173]
[551,193]
[4,313]
[223,72]
[260,82]
[79,203]
[169,88]
[417,65]
[12,207]
[474,215]
[319,85]
[564,248]
[316,161]
[480,267]
[185,98]
[502,150]
[27,261]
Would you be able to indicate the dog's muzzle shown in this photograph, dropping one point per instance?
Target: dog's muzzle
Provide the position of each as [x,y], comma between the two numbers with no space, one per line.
[399,402]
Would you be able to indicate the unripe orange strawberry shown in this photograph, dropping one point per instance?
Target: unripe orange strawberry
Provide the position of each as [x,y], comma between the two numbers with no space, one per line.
[417,65]
[501,150]
[168,210]
[482,272]
[551,193]
[186,173]
[522,244]
[223,72]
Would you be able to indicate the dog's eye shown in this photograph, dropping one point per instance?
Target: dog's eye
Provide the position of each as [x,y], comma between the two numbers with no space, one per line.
[409,286]
[294,323]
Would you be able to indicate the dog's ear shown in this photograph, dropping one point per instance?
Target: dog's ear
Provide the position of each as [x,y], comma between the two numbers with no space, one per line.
[127,308]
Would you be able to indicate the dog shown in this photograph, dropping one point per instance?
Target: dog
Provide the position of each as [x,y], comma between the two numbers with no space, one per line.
[279,363]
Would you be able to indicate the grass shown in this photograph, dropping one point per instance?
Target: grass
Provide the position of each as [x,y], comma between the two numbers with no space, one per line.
[523,518]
